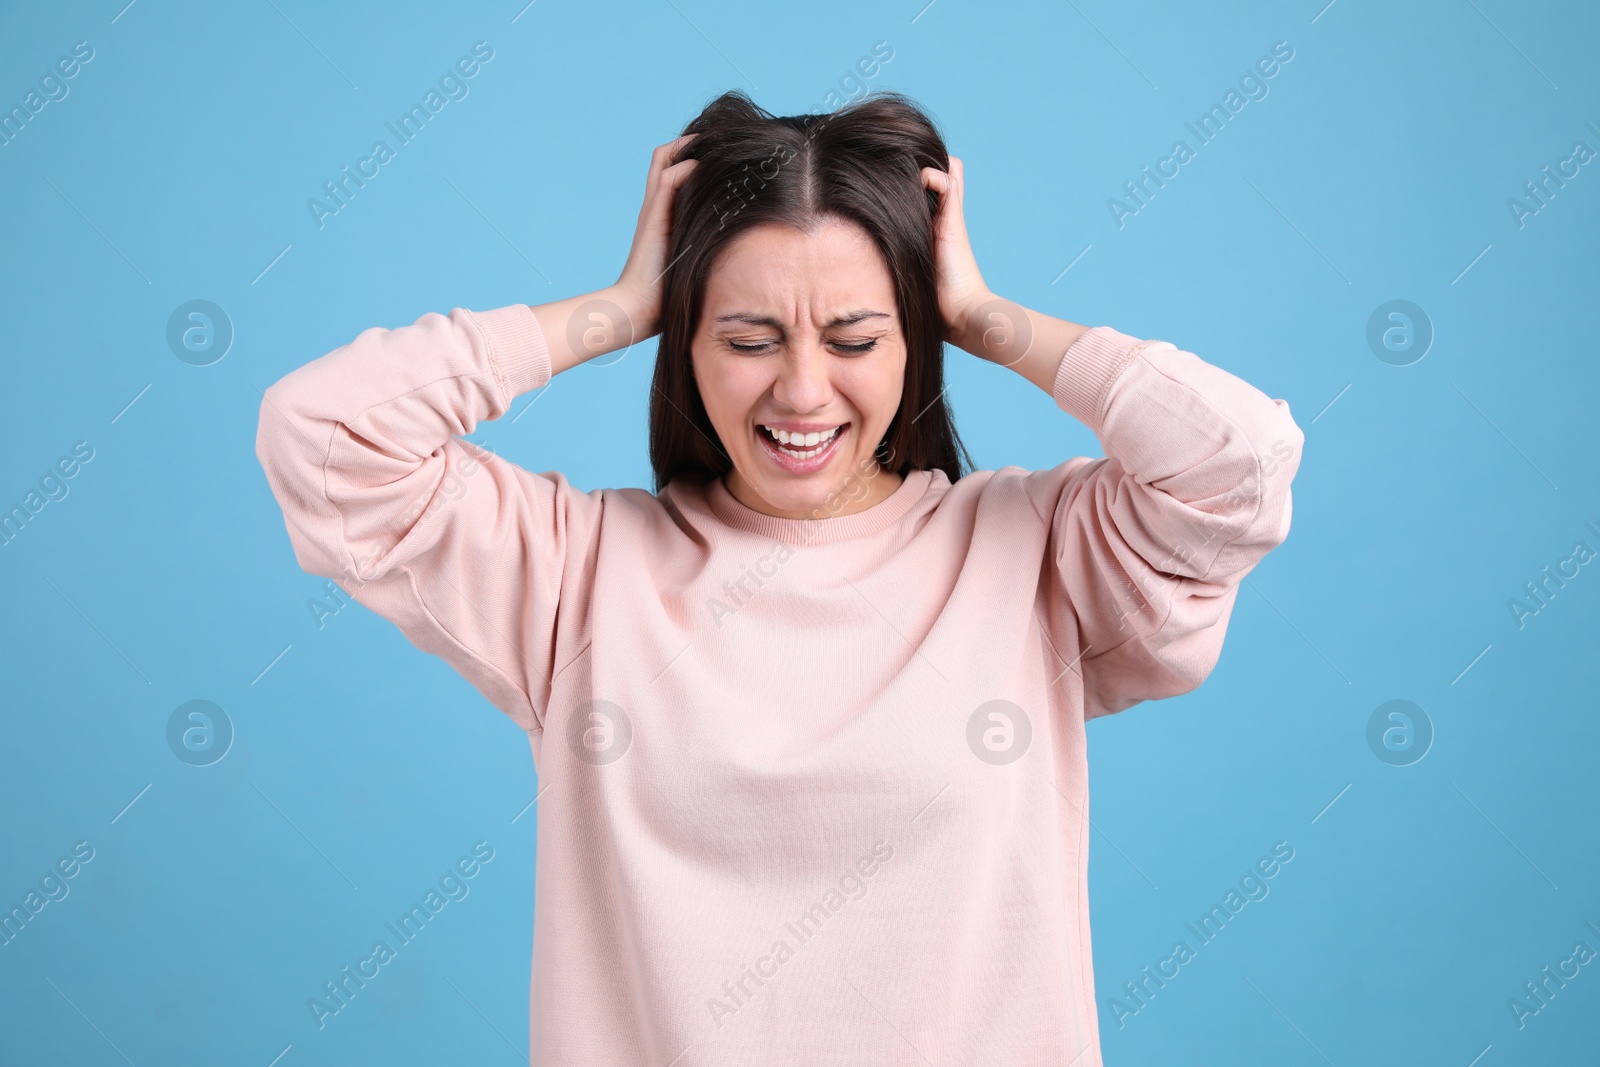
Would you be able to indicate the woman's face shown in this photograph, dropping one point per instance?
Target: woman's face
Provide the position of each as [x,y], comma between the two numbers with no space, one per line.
[800,333]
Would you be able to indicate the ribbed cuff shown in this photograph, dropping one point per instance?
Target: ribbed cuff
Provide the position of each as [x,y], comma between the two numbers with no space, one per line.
[518,351]
[1091,364]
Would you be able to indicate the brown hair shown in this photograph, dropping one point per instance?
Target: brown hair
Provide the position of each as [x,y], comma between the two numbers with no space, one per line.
[861,163]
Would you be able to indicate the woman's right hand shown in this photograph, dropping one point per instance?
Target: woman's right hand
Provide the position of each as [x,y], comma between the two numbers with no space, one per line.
[640,287]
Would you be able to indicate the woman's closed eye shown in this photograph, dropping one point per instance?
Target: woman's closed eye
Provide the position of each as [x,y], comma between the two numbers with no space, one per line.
[854,348]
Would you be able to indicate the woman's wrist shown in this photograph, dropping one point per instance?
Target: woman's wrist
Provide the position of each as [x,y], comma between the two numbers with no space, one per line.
[1027,341]
[968,325]
[641,310]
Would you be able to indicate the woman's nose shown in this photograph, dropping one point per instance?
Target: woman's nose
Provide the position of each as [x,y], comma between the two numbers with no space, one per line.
[804,382]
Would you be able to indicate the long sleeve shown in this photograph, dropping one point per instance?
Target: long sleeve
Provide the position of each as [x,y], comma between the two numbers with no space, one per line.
[1148,545]
[471,556]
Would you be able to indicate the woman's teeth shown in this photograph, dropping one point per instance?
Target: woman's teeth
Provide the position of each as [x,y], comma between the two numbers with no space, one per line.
[802,445]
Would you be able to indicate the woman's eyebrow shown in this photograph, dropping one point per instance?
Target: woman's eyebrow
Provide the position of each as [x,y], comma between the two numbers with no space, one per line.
[849,318]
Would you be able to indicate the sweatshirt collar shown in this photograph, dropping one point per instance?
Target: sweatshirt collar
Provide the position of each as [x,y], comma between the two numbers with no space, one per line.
[725,506]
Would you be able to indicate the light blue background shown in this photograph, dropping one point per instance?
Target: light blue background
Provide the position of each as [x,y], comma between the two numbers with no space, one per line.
[1378,167]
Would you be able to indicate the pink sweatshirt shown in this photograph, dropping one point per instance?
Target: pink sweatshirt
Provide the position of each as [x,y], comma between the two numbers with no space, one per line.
[810,791]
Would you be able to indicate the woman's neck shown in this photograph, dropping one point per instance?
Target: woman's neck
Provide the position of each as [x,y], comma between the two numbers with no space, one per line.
[854,493]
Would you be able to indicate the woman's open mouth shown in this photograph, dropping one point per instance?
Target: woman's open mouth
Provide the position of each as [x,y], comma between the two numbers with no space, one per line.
[801,453]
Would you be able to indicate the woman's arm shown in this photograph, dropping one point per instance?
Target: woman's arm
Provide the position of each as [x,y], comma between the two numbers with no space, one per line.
[468,554]
[1148,545]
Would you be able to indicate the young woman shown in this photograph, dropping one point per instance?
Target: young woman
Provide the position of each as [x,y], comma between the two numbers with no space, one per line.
[808,720]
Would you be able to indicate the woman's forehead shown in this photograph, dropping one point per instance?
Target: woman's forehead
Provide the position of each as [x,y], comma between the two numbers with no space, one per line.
[777,272]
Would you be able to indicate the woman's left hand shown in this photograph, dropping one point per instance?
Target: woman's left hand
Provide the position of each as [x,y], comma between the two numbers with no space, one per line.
[961,286]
